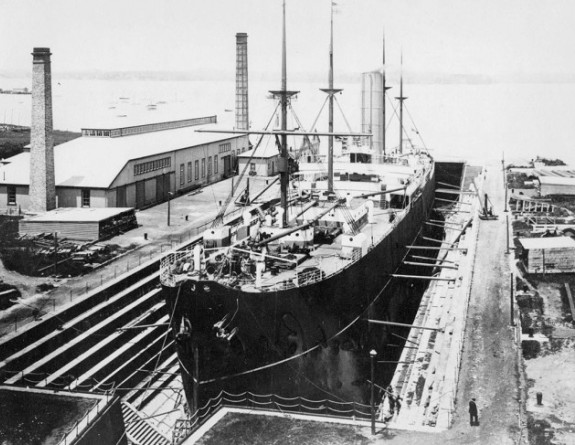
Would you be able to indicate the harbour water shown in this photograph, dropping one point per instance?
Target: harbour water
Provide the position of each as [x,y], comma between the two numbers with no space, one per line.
[465,121]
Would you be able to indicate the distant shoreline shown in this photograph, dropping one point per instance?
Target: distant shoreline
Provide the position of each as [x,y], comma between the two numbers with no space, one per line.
[224,76]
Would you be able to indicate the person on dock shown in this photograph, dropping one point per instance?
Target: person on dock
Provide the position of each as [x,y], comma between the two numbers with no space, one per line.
[397,404]
[473,415]
[391,400]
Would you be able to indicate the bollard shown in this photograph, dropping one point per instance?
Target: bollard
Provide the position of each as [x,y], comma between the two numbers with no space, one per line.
[186,217]
[146,236]
[530,332]
[539,398]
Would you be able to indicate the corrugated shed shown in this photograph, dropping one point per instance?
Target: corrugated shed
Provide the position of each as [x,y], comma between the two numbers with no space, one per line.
[80,224]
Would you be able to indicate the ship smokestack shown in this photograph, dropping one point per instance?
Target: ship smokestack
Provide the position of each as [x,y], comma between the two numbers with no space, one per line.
[242,117]
[42,183]
[372,109]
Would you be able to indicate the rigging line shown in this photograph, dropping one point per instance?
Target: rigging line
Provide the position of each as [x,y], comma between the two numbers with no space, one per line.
[165,337]
[220,216]
[319,114]
[306,137]
[342,114]
[416,129]
[394,109]
[207,172]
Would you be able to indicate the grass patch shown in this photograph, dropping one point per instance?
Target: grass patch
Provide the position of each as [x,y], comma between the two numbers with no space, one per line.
[13,139]
[239,429]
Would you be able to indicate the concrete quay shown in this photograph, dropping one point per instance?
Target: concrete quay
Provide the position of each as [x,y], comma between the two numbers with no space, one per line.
[476,354]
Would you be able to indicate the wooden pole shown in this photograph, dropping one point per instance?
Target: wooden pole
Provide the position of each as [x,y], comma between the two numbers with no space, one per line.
[507,231]
[405,325]
[419,257]
[435,248]
[372,355]
[422,277]
[511,300]
[571,305]
[441,266]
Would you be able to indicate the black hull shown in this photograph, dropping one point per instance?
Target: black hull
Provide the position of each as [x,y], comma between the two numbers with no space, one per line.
[319,330]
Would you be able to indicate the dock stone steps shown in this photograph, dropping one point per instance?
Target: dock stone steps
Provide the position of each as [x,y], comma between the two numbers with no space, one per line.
[140,431]
[52,361]
[67,330]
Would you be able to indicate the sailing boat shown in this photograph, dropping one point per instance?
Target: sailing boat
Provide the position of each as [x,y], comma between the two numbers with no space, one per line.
[276,301]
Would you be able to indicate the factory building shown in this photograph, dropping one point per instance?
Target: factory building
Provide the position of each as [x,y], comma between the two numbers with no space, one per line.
[127,166]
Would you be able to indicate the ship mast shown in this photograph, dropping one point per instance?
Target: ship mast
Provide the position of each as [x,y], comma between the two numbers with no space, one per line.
[330,91]
[401,98]
[383,90]
[284,96]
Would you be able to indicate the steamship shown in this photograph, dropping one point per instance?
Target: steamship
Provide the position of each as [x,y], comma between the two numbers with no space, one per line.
[276,301]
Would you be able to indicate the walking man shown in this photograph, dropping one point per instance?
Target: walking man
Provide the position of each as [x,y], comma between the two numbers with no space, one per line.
[473,419]
[397,404]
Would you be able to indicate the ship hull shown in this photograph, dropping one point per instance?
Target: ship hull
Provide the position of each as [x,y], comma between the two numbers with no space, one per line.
[311,341]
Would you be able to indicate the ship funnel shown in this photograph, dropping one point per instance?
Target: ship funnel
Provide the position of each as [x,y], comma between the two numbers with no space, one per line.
[372,108]
[242,116]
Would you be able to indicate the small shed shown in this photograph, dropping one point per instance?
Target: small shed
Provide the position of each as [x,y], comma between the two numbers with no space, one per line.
[548,255]
[262,161]
[82,224]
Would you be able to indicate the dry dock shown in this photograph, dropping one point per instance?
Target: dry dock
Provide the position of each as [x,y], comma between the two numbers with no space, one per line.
[474,352]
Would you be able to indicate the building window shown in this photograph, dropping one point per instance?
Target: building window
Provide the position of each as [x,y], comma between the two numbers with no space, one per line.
[12,195]
[252,166]
[224,148]
[197,169]
[216,164]
[204,168]
[190,171]
[209,166]
[158,164]
[85,198]
[182,176]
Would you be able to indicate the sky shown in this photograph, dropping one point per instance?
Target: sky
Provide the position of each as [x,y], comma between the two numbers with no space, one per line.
[481,37]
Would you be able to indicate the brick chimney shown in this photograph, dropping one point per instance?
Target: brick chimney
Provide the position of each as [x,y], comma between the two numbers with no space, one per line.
[242,117]
[42,183]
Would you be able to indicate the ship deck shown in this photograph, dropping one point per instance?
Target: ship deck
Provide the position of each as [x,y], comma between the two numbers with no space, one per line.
[327,257]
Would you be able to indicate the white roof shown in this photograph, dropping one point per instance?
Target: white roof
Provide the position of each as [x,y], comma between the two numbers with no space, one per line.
[264,151]
[94,162]
[555,242]
[76,214]
[556,180]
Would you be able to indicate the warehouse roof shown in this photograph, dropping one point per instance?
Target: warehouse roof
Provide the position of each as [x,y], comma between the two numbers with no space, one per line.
[78,214]
[556,180]
[95,162]
[556,242]
[264,151]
